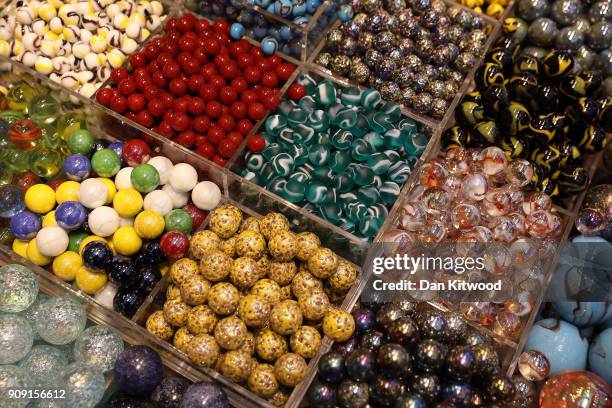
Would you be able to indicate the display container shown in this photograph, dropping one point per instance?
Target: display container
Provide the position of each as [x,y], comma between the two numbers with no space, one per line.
[296,37]
[492,29]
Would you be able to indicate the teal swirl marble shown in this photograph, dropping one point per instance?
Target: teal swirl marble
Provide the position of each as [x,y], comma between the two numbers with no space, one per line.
[368,195]
[333,111]
[299,153]
[389,191]
[294,191]
[323,174]
[369,225]
[343,183]
[361,150]
[361,126]
[286,106]
[377,182]
[331,212]
[378,210]
[319,120]
[399,172]
[271,150]
[286,136]
[339,161]
[346,118]
[275,123]
[332,196]
[394,139]
[375,140]
[308,104]
[364,175]
[276,185]
[392,110]
[342,139]
[379,122]
[255,162]
[323,138]
[316,192]
[304,133]
[283,164]
[407,125]
[355,210]
[392,155]
[300,177]
[309,83]
[370,98]
[416,144]
[297,116]
[379,163]
[318,154]
[351,96]
[325,93]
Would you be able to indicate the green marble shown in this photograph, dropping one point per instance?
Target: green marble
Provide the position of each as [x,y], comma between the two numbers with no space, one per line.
[283,164]
[325,93]
[361,150]
[294,191]
[275,123]
[394,139]
[368,195]
[346,118]
[331,212]
[399,172]
[276,185]
[342,139]
[343,183]
[319,120]
[339,161]
[318,154]
[370,98]
[416,144]
[271,150]
[255,162]
[363,175]
[297,116]
[316,192]
[389,192]
[375,140]
[308,104]
[379,163]
[303,133]
[351,96]
[391,109]
[370,225]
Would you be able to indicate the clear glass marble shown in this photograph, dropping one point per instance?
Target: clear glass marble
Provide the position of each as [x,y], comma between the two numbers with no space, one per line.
[60,320]
[31,312]
[98,347]
[84,386]
[43,363]
[12,377]
[16,338]
[18,288]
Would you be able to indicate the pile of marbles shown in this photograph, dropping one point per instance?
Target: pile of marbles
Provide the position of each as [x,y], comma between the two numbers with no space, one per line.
[343,154]
[119,215]
[32,135]
[45,345]
[560,348]
[581,28]
[492,8]
[289,286]
[140,382]
[197,87]
[77,43]
[467,198]
[273,34]
[408,355]
[414,52]
[535,106]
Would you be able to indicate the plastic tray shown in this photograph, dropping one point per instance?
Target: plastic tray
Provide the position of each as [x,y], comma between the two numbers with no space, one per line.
[49,285]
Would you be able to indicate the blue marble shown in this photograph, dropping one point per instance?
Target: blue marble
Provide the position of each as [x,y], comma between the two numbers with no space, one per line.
[561,343]
[600,355]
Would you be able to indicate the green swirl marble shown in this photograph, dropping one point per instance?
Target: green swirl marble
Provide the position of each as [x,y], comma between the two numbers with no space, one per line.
[325,93]
[351,96]
[294,191]
[343,183]
[394,139]
[308,104]
[316,192]
[389,191]
[331,212]
[275,123]
[346,118]
[361,150]
[303,133]
[339,160]
[399,172]
[255,162]
[319,120]
[375,140]
[318,154]
[271,150]
[283,164]
[379,163]
[342,139]
[370,98]
[368,195]
[297,116]
[276,185]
